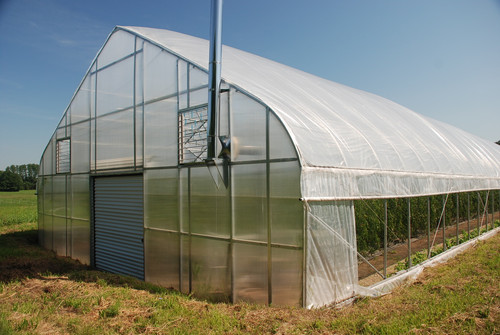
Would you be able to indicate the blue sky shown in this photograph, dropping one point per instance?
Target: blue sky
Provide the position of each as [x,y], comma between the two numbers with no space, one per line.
[440,58]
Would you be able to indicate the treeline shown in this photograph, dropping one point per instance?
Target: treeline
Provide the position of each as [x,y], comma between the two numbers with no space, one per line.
[19,177]
[370,216]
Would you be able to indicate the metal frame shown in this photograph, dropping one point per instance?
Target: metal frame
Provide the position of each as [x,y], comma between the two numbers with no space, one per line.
[482,214]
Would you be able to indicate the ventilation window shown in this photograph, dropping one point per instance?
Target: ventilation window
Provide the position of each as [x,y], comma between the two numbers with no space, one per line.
[193,134]
[63,155]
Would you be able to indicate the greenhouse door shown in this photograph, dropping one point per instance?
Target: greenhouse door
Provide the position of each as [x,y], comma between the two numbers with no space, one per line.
[118,225]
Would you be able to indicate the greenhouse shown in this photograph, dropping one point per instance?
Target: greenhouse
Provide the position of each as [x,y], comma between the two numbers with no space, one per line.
[125,185]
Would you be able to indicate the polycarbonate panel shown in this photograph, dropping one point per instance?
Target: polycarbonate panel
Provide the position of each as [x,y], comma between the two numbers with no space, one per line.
[115,87]
[182,83]
[69,206]
[162,258]
[80,105]
[250,202]
[184,199]
[80,197]
[184,263]
[332,266]
[224,113]
[59,195]
[287,212]
[59,235]
[209,209]
[280,144]
[198,86]
[61,132]
[80,146]
[47,195]
[92,145]
[139,137]
[160,137]
[161,199]
[49,159]
[160,73]
[80,240]
[287,276]
[210,271]
[119,45]
[250,273]
[248,129]
[47,233]
[115,140]
[139,109]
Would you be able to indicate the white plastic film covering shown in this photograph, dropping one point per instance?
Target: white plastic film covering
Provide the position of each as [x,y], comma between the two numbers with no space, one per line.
[331,264]
[353,143]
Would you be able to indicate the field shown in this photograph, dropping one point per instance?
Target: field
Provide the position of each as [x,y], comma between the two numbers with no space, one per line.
[17,207]
[41,293]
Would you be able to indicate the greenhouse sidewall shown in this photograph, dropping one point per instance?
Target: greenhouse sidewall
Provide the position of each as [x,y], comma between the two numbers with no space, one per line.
[331,256]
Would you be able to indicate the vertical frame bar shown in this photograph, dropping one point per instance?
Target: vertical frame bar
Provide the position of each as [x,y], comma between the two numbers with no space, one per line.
[95,116]
[458,214]
[478,213]
[428,227]
[134,99]
[385,238]
[190,231]
[409,232]
[444,223]
[304,256]
[268,195]
[468,216]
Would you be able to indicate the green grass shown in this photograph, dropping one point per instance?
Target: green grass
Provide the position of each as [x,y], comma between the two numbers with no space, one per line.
[41,293]
[17,207]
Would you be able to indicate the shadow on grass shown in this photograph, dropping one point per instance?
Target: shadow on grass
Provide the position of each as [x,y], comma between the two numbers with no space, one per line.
[21,257]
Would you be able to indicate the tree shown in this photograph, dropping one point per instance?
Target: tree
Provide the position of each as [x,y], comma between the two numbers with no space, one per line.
[498,142]
[28,173]
[10,182]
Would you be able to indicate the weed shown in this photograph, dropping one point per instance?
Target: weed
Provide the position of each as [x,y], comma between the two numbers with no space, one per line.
[5,328]
[111,311]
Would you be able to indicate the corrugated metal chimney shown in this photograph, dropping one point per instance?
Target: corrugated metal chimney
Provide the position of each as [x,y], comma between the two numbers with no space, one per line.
[214,76]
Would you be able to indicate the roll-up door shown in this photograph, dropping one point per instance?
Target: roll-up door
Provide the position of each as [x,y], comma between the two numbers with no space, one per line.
[118,225]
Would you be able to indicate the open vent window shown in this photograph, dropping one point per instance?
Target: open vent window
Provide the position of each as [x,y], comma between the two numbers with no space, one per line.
[193,134]
[63,156]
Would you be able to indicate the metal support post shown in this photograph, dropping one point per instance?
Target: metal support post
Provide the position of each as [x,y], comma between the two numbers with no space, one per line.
[385,238]
[444,223]
[468,215]
[458,213]
[409,233]
[428,227]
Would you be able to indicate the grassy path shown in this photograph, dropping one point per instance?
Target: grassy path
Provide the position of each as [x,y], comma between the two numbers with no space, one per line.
[44,294]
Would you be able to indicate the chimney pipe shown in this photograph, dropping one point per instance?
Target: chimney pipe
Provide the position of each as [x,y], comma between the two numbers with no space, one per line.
[214,76]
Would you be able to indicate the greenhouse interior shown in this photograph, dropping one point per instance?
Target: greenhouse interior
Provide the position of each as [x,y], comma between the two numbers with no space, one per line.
[314,184]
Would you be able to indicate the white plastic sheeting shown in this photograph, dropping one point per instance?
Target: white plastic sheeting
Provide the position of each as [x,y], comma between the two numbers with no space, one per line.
[354,144]
[331,261]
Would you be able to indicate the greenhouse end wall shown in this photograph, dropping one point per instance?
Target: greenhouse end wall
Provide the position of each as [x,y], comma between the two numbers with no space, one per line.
[243,242]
